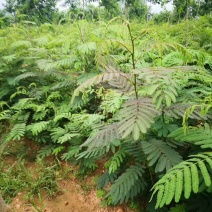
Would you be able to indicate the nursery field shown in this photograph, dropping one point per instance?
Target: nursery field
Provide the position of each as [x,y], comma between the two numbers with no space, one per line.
[106,116]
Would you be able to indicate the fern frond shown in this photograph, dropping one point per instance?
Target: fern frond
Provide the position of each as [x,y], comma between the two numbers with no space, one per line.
[41,41]
[174,59]
[58,132]
[64,62]
[54,95]
[37,127]
[21,43]
[5,115]
[23,103]
[67,137]
[45,65]
[21,116]
[60,116]
[161,154]
[39,115]
[87,48]
[17,132]
[23,76]
[128,185]
[45,151]
[58,150]
[183,177]
[9,58]
[72,153]
[64,84]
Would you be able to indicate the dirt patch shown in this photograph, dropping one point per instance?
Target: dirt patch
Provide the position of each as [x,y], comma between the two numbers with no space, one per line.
[74,195]
[72,199]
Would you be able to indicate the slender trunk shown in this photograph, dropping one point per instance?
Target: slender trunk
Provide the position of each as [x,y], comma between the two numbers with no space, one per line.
[198,8]
[147,16]
[187,24]
[178,17]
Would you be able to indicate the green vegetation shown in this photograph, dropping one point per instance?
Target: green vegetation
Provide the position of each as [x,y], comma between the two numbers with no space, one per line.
[135,98]
[44,176]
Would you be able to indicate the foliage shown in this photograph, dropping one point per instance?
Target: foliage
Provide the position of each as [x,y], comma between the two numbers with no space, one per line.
[32,10]
[25,180]
[113,92]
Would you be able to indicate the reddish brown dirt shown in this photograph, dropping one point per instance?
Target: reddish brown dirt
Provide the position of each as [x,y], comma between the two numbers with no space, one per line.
[72,199]
[75,195]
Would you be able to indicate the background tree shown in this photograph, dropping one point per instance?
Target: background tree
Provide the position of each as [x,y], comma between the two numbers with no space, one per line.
[112,7]
[205,7]
[134,9]
[35,10]
[162,2]
[138,10]
[10,6]
[162,17]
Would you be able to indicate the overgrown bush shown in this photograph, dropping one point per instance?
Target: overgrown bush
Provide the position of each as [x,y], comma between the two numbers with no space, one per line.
[131,89]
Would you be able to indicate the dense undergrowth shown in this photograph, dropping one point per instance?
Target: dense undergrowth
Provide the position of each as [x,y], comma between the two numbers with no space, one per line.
[136,97]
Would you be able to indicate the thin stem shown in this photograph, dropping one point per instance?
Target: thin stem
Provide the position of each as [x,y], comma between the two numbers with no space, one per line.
[133,60]
[150,173]
[133,46]
[135,86]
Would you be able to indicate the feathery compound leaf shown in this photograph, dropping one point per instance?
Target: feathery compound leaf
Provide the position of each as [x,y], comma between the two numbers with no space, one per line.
[183,177]
[67,137]
[37,127]
[116,160]
[6,114]
[103,138]
[166,92]
[17,131]
[197,135]
[136,117]
[161,153]
[128,185]
[178,111]
[118,79]
[24,76]
[46,151]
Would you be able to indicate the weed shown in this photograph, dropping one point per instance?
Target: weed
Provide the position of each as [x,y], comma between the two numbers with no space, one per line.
[134,205]
[100,193]
[18,178]
[41,203]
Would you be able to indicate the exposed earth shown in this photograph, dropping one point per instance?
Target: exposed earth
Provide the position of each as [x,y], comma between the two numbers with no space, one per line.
[75,195]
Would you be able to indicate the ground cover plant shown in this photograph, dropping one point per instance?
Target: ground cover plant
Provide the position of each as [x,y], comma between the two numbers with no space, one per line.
[136,98]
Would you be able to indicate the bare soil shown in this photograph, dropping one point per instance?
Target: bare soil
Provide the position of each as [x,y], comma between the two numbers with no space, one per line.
[75,195]
[73,198]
